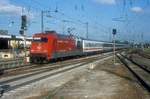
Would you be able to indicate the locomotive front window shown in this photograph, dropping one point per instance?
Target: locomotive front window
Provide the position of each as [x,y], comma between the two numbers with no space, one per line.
[43,39]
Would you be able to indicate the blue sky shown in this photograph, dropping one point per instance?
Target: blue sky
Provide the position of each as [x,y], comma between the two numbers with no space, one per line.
[129,17]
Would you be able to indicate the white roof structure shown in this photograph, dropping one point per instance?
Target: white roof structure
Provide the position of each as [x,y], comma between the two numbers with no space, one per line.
[16,37]
[5,36]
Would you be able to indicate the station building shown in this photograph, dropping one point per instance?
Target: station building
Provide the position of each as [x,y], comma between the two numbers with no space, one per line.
[10,44]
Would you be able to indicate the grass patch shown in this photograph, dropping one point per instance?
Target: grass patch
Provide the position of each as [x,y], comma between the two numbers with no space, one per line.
[133,51]
[147,50]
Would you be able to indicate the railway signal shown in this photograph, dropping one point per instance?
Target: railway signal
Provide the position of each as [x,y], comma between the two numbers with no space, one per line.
[23,30]
[24,22]
[114,32]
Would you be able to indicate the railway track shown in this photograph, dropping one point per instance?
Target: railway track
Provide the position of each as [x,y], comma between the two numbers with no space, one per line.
[15,82]
[141,74]
[13,63]
[35,67]
[145,64]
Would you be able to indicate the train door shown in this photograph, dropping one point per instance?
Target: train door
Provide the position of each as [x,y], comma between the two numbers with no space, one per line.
[79,44]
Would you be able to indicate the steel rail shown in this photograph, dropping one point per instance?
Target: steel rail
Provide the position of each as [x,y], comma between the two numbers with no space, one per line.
[128,63]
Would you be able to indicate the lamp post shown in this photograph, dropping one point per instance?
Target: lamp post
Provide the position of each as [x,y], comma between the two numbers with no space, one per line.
[114,32]
[42,23]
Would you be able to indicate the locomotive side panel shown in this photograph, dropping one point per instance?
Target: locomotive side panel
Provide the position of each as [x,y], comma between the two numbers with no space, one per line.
[65,47]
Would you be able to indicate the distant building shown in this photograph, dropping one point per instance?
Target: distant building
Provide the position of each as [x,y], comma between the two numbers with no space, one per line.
[13,41]
[3,32]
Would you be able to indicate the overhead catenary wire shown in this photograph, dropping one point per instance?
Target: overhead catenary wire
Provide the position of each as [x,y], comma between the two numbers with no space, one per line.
[63,14]
[72,20]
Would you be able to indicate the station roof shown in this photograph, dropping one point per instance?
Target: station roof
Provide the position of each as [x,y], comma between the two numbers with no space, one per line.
[14,37]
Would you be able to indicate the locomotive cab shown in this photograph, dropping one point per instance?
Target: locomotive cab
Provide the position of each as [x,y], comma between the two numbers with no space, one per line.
[41,47]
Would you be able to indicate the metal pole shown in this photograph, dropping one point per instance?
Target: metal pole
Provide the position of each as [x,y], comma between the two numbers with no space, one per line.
[114,47]
[63,27]
[110,38]
[142,42]
[87,30]
[25,44]
[42,23]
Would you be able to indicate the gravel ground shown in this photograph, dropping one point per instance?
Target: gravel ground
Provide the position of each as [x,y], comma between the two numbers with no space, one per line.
[41,88]
[105,81]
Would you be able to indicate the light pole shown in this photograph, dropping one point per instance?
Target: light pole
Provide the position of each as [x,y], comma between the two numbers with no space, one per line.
[63,26]
[142,43]
[42,23]
[87,30]
[114,32]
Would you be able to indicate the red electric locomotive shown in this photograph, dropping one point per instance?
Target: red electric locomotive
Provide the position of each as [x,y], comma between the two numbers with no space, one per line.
[50,45]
